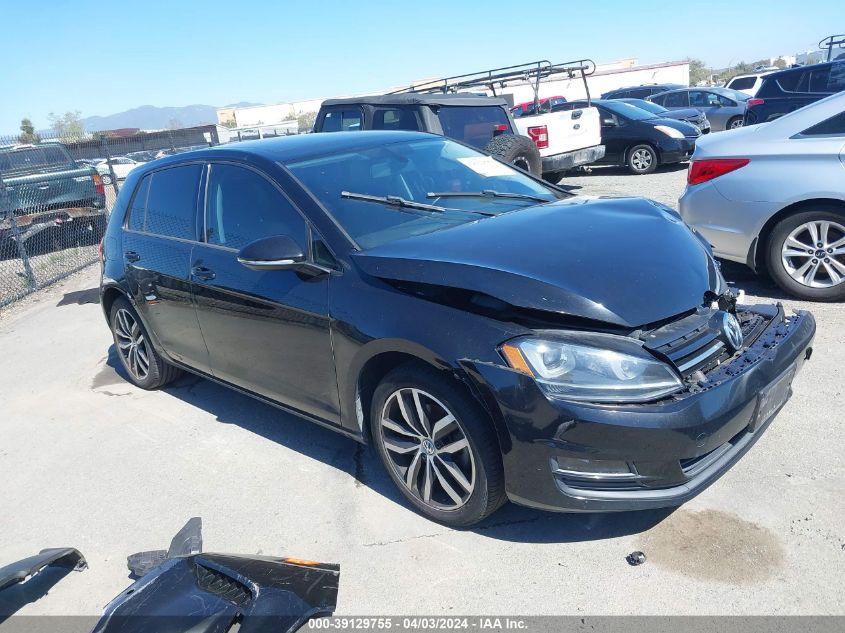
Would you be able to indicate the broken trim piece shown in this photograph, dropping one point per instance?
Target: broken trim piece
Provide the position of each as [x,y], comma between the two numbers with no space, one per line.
[22,570]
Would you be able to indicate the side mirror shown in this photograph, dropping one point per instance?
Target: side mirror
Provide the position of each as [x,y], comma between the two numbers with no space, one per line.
[277,252]
[608,122]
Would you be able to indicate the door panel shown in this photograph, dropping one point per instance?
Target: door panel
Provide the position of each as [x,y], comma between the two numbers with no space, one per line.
[157,273]
[267,331]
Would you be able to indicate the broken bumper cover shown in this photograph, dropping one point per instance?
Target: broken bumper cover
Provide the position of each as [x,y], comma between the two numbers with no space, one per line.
[569,456]
[213,592]
[570,160]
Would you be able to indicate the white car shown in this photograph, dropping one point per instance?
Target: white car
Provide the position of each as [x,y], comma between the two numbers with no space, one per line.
[772,196]
[749,84]
[121,166]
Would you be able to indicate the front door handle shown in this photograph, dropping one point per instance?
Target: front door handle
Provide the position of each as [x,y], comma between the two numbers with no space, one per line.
[132,256]
[202,273]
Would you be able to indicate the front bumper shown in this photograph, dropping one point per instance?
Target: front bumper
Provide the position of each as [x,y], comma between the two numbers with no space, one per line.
[673,449]
[570,160]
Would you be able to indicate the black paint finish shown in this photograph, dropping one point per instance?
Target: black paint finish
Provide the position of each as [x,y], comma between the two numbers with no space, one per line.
[316,340]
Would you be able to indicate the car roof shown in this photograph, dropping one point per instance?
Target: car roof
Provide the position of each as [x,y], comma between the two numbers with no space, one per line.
[291,148]
[413,98]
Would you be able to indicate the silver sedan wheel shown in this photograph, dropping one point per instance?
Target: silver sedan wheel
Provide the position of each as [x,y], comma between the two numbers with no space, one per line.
[814,254]
[132,344]
[736,123]
[427,449]
[642,159]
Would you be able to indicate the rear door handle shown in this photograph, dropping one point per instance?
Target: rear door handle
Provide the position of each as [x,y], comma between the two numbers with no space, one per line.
[132,256]
[202,273]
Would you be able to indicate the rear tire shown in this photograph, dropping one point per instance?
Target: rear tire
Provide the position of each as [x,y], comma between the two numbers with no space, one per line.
[517,150]
[463,485]
[553,177]
[146,369]
[734,123]
[816,276]
[106,179]
[642,159]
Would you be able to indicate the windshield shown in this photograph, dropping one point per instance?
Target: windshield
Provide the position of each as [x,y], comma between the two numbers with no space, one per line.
[627,110]
[736,95]
[648,106]
[412,170]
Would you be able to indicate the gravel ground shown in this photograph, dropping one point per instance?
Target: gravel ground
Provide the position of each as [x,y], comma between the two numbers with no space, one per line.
[665,185]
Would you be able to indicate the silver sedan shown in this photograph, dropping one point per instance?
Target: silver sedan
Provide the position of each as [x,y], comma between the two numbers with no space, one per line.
[772,196]
[724,108]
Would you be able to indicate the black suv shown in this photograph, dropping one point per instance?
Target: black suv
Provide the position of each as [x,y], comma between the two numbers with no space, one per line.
[494,337]
[640,92]
[790,89]
[479,121]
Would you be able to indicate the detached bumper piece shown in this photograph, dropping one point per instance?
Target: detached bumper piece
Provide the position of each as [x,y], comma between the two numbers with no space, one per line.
[65,557]
[220,592]
[570,456]
[570,160]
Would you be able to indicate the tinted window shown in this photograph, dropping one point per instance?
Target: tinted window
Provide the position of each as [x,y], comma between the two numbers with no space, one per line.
[342,121]
[659,99]
[172,202]
[788,82]
[639,93]
[473,125]
[818,79]
[139,205]
[742,83]
[396,119]
[675,100]
[834,125]
[243,206]
[836,81]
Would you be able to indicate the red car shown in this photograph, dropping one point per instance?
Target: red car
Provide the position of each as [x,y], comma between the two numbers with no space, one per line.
[528,108]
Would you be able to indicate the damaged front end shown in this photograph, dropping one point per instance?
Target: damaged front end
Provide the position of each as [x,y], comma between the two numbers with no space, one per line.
[184,589]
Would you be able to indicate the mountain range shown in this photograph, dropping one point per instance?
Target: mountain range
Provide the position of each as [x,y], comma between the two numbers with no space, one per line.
[149,117]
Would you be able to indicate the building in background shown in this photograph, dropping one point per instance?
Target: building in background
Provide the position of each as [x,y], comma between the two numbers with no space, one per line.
[626,72]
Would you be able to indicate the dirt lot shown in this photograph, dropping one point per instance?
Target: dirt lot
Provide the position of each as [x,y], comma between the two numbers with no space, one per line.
[87,460]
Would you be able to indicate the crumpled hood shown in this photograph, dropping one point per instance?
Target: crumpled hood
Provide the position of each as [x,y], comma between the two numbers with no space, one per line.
[624,261]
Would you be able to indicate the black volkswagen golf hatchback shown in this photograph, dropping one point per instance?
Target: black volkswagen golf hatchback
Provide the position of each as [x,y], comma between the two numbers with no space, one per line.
[492,336]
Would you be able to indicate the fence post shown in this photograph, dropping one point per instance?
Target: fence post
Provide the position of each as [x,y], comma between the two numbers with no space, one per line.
[105,147]
[7,208]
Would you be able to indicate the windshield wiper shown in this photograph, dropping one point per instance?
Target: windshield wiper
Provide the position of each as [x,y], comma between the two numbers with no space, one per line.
[486,193]
[392,201]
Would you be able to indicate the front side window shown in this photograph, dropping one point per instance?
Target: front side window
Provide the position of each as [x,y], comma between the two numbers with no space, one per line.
[472,125]
[243,206]
[342,121]
[431,172]
[171,208]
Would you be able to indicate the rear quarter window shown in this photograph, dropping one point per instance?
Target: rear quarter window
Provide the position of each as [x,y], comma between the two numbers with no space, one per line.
[742,83]
[396,119]
[349,120]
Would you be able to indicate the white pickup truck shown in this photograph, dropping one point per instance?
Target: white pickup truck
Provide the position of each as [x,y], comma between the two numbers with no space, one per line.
[565,139]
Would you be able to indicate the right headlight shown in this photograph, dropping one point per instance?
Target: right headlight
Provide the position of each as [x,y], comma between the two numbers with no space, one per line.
[591,367]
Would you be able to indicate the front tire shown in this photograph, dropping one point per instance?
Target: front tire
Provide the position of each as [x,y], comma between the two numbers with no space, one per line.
[146,369]
[806,254]
[642,159]
[735,123]
[438,446]
[517,150]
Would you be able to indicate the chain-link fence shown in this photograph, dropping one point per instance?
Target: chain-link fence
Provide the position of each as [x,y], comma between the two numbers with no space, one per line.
[56,196]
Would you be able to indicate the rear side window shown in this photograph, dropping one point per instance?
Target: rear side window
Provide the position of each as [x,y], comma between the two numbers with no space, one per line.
[742,83]
[640,93]
[676,100]
[244,206]
[342,121]
[138,209]
[396,119]
[172,202]
[835,126]
[472,125]
[788,82]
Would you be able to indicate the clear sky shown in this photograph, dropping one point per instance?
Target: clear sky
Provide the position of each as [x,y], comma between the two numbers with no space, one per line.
[107,56]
